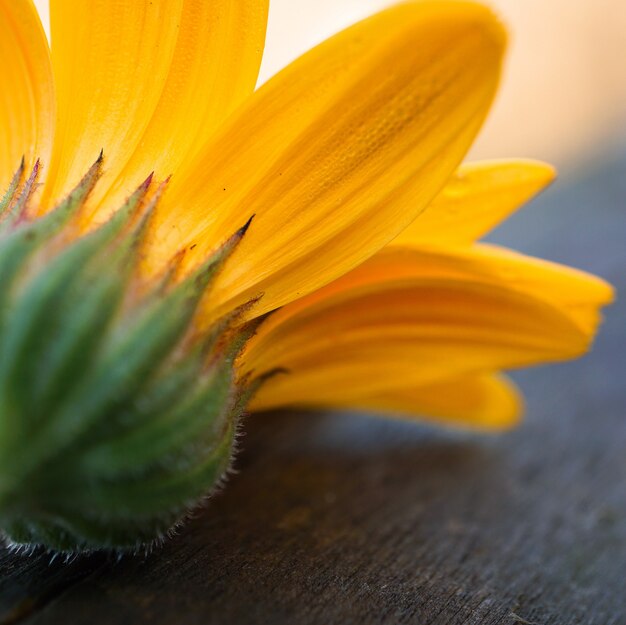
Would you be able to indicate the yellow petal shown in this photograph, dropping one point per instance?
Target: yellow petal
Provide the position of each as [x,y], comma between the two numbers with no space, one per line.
[477,198]
[418,327]
[576,293]
[480,400]
[423,332]
[339,152]
[26,89]
[147,81]
[215,67]
[111,59]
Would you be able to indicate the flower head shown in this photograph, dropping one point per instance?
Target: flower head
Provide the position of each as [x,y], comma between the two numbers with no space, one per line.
[136,357]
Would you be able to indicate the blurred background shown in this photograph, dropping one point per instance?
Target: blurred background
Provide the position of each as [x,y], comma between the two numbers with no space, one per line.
[563,97]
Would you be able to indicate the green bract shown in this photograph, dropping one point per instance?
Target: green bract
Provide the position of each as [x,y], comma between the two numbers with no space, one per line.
[117,413]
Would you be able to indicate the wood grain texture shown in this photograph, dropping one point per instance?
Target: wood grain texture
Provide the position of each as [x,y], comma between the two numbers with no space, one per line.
[349,519]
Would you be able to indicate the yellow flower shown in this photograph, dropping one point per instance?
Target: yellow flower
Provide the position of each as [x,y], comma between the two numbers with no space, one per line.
[365,227]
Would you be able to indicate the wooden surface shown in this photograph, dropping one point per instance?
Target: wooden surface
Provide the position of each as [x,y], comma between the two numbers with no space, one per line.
[349,519]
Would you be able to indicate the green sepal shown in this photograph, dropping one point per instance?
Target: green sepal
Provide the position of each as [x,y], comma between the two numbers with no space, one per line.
[10,195]
[118,412]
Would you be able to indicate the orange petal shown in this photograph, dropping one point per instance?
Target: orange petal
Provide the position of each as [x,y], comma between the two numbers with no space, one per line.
[27,106]
[576,293]
[481,400]
[215,67]
[339,152]
[476,199]
[147,81]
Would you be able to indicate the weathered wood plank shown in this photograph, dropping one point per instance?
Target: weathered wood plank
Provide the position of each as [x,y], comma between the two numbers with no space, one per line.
[349,519]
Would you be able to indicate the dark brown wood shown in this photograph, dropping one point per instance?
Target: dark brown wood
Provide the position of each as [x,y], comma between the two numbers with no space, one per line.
[349,519]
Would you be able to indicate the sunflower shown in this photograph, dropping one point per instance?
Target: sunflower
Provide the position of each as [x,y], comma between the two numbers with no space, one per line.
[158,209]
